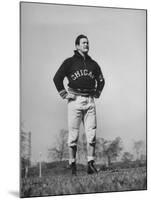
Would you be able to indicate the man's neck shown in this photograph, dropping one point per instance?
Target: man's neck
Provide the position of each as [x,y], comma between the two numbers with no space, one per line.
[82,54]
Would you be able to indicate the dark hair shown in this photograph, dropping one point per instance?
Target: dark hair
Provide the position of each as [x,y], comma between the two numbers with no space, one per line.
[77,41]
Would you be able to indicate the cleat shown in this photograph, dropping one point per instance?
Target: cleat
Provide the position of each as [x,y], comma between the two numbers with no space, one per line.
[91,168]
[73,168]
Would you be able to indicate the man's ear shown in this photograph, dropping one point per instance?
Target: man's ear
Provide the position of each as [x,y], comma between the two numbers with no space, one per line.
[77,47]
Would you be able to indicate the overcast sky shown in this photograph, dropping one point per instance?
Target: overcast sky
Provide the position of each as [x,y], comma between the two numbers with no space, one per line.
[117,40]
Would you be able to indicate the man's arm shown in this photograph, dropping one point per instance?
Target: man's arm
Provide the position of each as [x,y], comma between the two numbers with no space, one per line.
[100,82]
[59,77]
[58,80]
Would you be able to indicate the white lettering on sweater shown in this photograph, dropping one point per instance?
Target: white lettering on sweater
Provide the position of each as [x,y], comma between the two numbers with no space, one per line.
[80,73]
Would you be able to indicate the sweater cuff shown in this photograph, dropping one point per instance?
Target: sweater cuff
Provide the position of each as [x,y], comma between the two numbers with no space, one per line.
[63,93]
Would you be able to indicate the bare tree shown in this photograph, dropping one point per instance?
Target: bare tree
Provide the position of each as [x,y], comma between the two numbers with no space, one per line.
[139,148]
[25,152]
[59,151]
[100,150]
[109,150]
[143,157]
[127,157]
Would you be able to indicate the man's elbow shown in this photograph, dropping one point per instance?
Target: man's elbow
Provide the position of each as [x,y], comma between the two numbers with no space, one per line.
[102,82]
[55,79]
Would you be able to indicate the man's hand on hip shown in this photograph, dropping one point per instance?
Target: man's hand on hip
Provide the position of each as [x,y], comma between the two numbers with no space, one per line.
[70,96]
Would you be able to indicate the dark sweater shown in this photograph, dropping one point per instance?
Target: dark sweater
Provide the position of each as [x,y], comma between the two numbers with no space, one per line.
[84,75]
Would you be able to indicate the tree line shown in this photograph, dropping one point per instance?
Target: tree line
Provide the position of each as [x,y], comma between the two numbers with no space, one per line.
[107,151]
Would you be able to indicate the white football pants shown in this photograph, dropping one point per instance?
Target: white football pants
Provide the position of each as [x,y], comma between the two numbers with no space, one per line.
[82,109]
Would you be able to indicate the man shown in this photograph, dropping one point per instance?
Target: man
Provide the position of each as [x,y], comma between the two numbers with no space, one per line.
[85,83]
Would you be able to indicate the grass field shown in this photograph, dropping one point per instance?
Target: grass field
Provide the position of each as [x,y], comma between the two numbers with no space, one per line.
[63,183]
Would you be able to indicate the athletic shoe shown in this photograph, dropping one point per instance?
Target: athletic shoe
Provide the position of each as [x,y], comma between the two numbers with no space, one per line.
[73,168]
[91,168]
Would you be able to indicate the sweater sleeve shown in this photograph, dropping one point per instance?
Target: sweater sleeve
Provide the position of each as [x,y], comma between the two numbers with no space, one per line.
[100,82]
[59,77]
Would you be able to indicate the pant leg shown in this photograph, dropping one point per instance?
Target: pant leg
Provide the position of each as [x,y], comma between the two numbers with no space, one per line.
[74,120]
[90,122]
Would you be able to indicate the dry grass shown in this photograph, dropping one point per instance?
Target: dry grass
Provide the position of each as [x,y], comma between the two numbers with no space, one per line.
[104,181]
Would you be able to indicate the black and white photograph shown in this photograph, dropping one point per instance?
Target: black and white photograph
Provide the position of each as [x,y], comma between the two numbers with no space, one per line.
[83,99]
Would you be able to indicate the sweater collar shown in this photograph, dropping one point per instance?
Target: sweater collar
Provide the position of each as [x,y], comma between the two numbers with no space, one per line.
[77,54]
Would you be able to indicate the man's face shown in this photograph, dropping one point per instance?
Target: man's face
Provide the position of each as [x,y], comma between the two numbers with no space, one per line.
[83,46]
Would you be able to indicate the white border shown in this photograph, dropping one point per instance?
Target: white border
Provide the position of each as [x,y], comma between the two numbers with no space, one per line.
[9,93]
